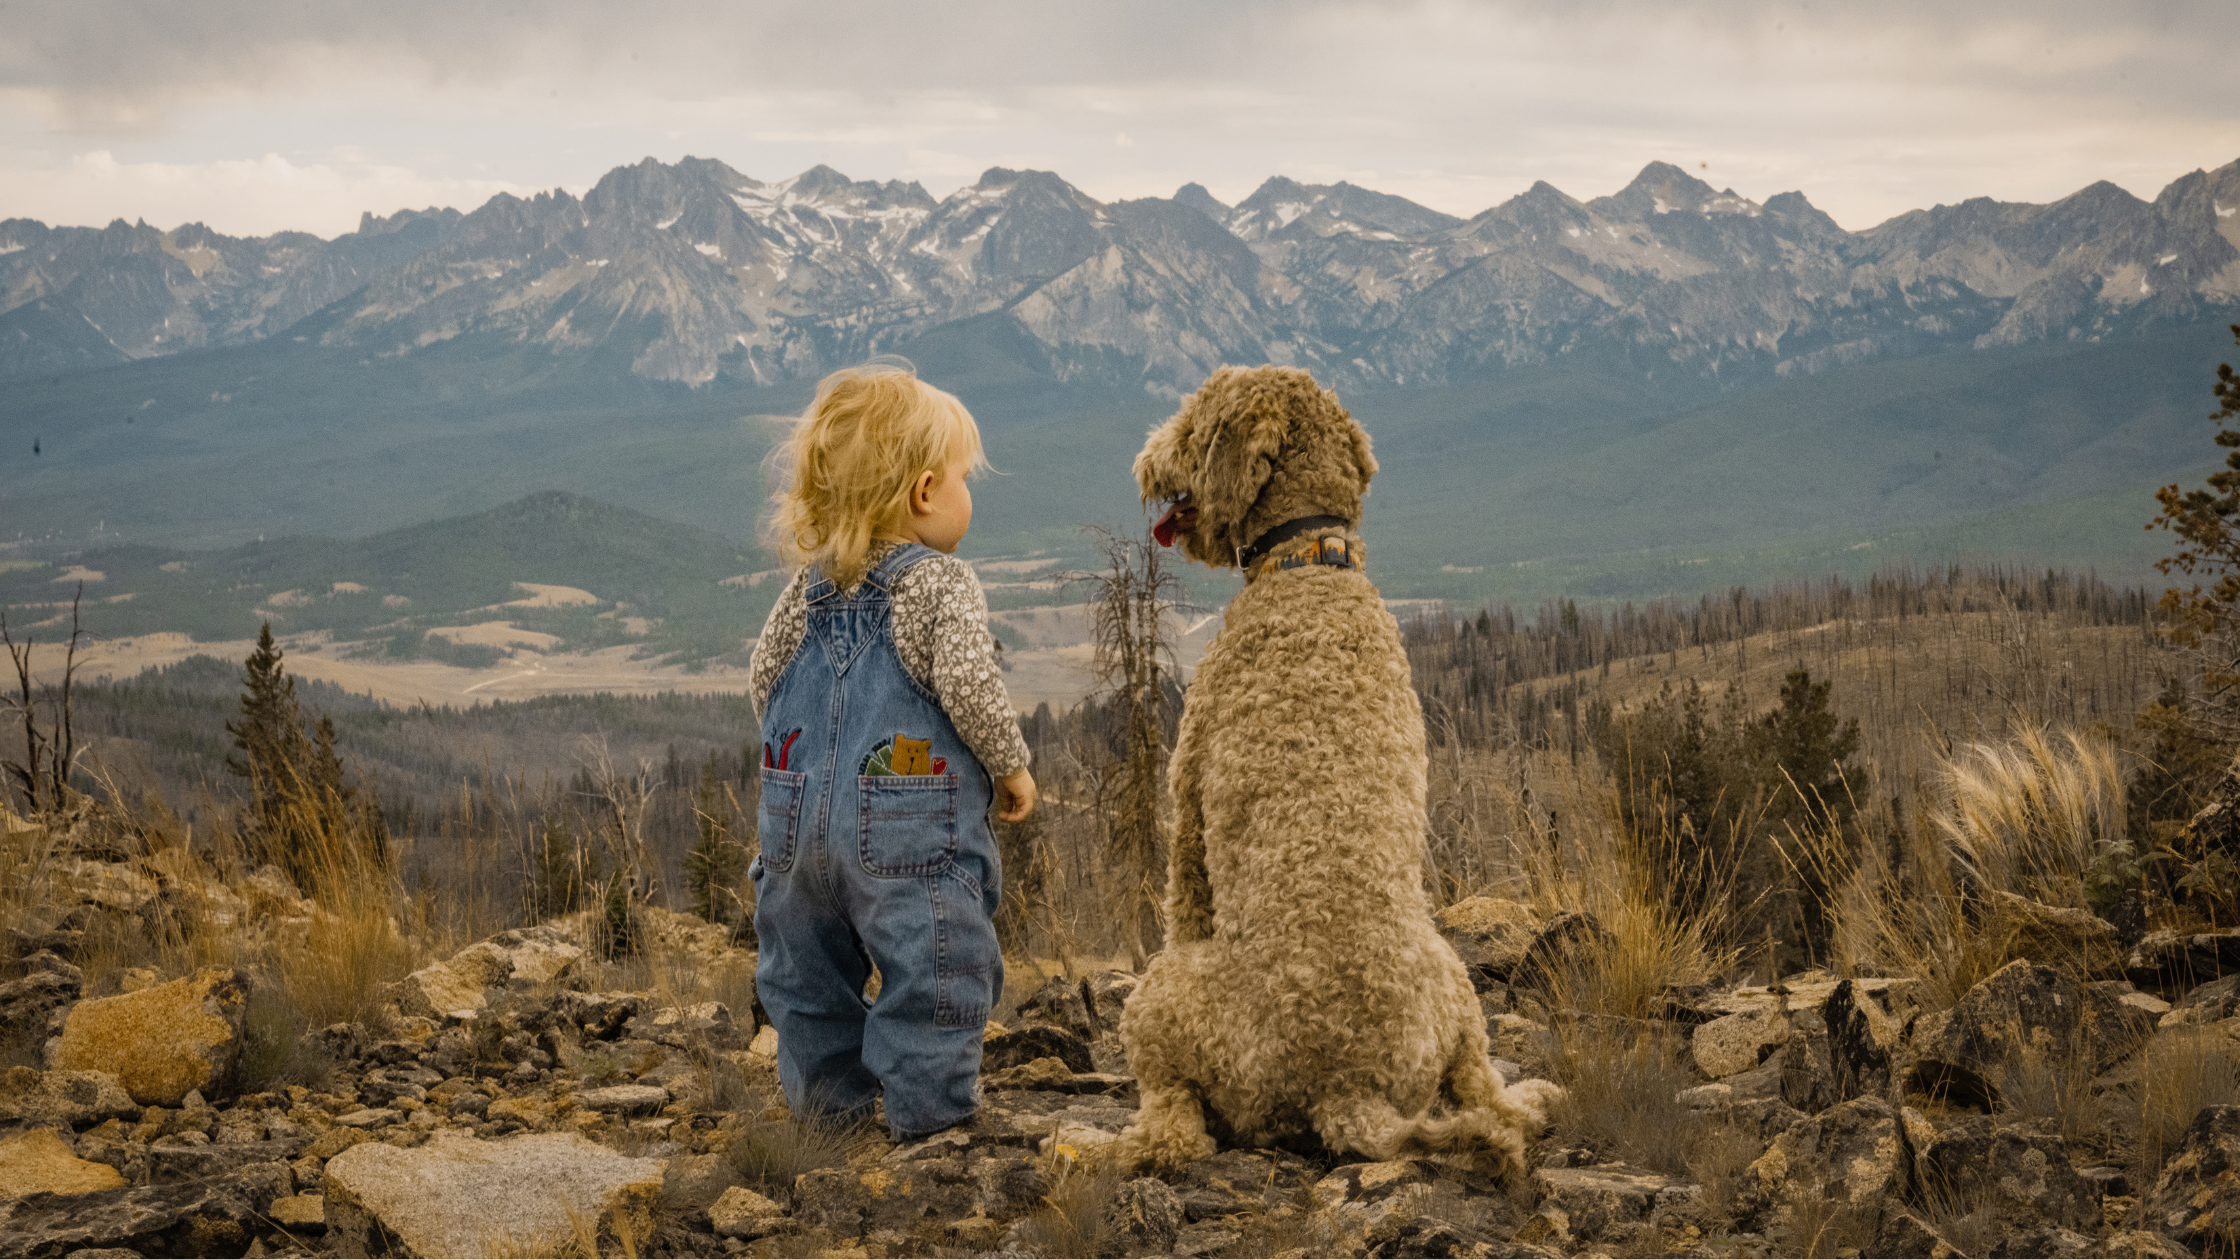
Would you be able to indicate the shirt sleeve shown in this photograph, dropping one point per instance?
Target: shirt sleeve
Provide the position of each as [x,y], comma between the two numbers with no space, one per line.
[941,633]
[781,636]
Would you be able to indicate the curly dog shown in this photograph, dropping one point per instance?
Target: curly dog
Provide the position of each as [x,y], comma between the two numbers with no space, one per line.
[1303,988]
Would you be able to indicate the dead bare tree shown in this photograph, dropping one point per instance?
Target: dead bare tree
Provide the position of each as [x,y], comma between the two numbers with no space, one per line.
[628,799]
[1134,646]
[43,776]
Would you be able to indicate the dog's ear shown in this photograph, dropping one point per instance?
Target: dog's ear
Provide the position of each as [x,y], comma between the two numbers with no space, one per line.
[1244,417]
[1364,463]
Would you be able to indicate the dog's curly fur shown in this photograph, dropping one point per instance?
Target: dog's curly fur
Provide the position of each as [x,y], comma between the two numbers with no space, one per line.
[1303,988]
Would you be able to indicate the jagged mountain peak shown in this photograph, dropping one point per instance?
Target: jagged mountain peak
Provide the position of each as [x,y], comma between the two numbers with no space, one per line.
[1662,188]
[1284,209]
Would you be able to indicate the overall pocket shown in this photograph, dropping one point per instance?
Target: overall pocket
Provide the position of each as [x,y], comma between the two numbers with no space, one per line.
[777,821]
[968,963]
[909,824]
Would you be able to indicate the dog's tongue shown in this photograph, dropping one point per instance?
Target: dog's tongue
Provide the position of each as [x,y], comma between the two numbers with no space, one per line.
[1164,531]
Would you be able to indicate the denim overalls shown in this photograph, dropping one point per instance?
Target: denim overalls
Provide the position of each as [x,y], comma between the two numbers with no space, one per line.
[874,848]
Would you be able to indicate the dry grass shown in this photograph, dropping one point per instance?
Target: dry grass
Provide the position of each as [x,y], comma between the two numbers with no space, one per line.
[2026,817]
[2180,1072]
[1620,1084]
[774,1146]
[1070,1220]
[1718,1156]
[2057,1088]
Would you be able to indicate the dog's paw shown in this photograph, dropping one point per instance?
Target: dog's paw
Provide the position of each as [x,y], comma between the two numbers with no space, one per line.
[1536,1098]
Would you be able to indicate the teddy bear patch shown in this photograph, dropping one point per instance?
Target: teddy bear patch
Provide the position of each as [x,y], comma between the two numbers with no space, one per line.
[903,755]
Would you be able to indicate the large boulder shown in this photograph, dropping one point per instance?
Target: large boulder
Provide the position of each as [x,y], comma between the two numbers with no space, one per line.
[1608,1203]
[1739,1042]
[2197,1199]
[217,1216]
[521,959]
[1491,934]
[2021,1011]
[37,1162]
[462,1196]
[1059,1003]
[63,1100]
[1860,1151]
[163,1042]
[2025,1178]
[1020,1046]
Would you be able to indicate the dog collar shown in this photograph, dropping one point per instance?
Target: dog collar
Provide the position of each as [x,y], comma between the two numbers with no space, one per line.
[1249,556]
[1331,550]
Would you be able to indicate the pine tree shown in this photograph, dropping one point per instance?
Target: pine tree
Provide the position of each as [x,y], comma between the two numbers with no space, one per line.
[2206,620]
[1800,749]
[272,752]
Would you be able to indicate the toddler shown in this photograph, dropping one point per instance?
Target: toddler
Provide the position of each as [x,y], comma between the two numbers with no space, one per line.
[885,733]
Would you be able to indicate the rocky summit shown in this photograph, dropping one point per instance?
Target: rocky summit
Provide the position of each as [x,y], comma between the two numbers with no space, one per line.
[693,272]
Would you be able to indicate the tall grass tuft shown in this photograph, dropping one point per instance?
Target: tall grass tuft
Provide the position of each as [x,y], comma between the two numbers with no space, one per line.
[2180,1072]
[2025,819]
[1620,1085]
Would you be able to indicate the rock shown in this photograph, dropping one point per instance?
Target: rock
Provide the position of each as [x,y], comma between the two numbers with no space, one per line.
[1105,994]
[707,1024]
[2197,1198]
[1142,1217]
[1492,935]
[61,1099]
[2026,1178]
[458,1196]
[851,1202]
[1565,941]
[1233,1181]
[160,1042]
[2209,1003]
[220,1216]
[624,1099]
[692,1183]
[1966,1053]
[601,1016]
[1356,1199]
[369,1118]
[38,1162]
[1860,1146]
[2168,963]
[118,886]
[1059,1003]
[1860,1037]
[2141,1243]
[1904,1236]
[190,1163]
[1738,1042]
[1029,1042]
[765,1044]
[741,1213]
[300,1213]
[334,1142]
[2052,933]
[1050,1074]
[1603,1203]
[523,958]
[1808,1075]
[27,1004]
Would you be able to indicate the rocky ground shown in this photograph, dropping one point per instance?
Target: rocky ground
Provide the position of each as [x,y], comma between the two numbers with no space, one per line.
[504,1104]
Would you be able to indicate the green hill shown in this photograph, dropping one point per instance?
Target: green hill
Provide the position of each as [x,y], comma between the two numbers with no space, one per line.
[654,583]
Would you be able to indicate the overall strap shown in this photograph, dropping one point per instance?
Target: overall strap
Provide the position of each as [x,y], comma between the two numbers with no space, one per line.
[881,577]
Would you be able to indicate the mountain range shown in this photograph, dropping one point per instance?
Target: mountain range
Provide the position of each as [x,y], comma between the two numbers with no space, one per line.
[694,273]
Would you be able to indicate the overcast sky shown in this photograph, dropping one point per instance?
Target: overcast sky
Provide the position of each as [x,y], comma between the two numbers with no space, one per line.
[255,116]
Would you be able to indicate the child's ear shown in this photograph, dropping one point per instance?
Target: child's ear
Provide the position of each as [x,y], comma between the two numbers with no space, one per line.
[921,492]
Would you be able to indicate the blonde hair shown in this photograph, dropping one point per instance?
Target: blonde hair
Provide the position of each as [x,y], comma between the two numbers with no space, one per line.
[846,469]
